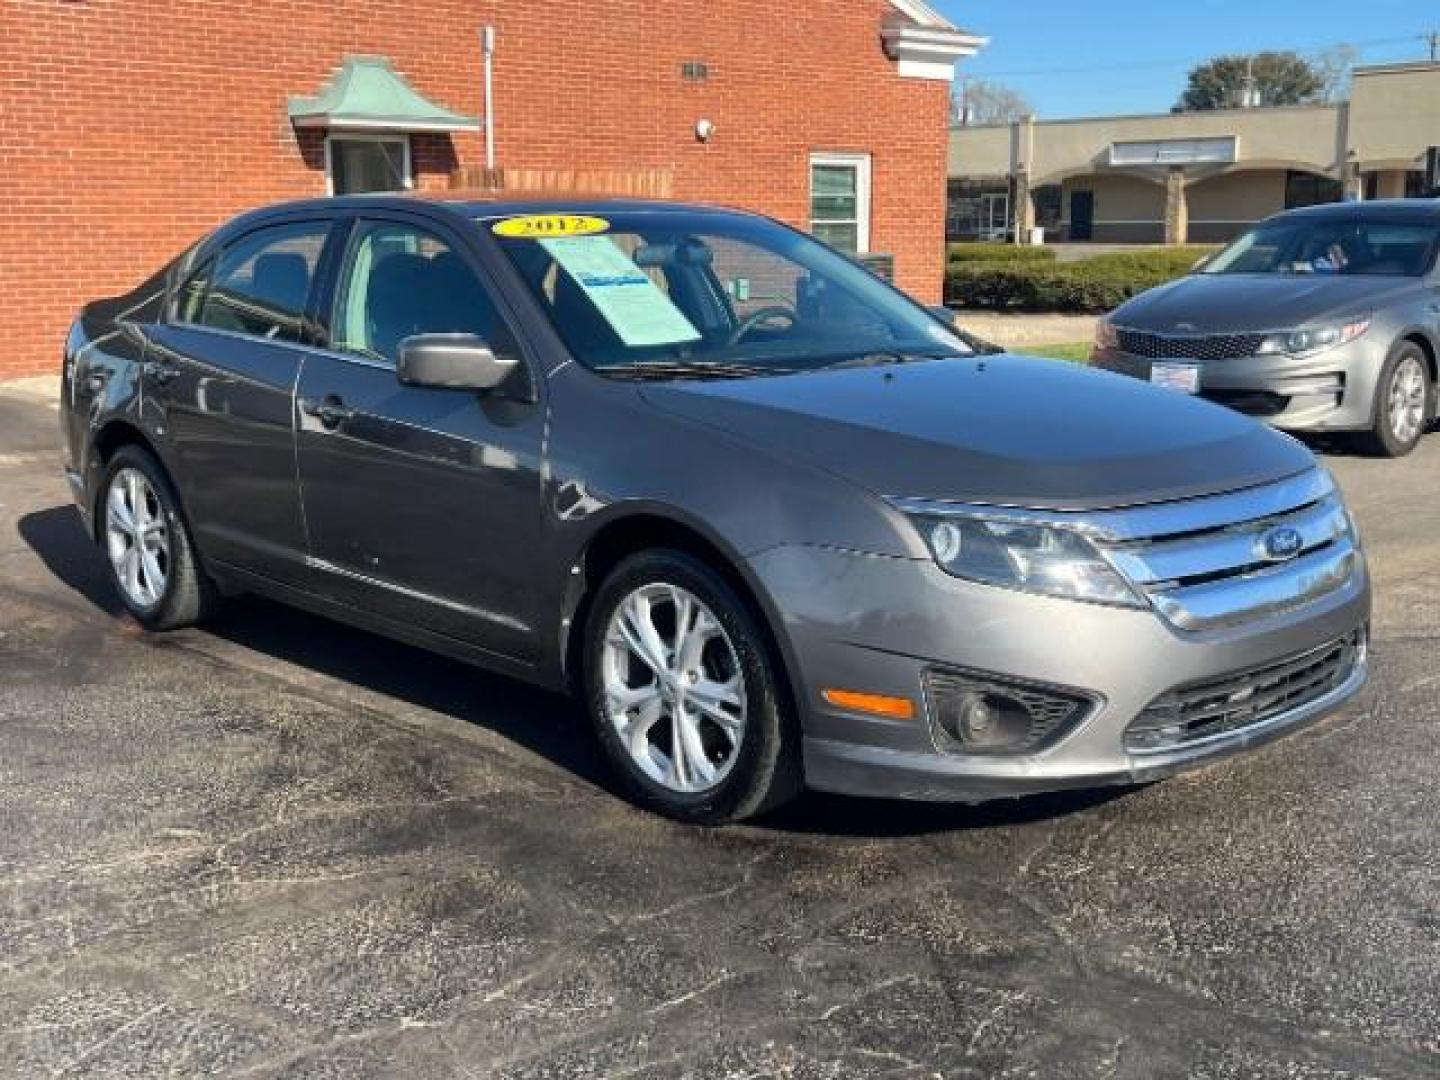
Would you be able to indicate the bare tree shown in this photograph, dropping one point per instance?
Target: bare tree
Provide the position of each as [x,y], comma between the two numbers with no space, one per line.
[975,101]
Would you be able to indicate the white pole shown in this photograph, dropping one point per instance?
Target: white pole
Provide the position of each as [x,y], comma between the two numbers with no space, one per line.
[487,47]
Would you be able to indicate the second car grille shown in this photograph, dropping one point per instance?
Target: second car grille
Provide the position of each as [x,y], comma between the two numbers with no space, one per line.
[1187,347]
[1224,706]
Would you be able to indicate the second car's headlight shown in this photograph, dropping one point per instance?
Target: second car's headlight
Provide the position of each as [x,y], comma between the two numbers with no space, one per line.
[1308,342]
[1038,558]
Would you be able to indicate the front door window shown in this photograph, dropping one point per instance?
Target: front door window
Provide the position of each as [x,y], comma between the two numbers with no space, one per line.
[401,280]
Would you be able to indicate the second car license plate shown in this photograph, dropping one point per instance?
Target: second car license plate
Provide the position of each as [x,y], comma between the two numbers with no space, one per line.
[1174,375]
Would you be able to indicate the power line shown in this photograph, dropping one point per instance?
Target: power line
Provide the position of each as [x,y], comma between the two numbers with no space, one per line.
[1157,65]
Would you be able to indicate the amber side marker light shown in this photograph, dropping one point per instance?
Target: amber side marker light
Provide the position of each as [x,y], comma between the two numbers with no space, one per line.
[892,708]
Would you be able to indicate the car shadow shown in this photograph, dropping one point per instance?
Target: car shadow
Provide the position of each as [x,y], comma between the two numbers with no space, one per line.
[1338,444]
[822,814]
[547,724]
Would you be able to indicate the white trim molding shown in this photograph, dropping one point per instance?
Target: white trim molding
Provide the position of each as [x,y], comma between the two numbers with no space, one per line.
[928,52]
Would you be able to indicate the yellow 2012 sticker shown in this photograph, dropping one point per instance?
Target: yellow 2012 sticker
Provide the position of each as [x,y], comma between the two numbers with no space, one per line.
[548,226]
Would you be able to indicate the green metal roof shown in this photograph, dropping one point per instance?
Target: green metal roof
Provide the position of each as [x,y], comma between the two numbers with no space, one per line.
[368,95]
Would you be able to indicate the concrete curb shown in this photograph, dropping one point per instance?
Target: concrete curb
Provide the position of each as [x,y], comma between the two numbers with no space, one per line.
[41,389]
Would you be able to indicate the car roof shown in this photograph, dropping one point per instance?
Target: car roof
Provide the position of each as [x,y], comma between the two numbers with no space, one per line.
[470,205]
[1372,210]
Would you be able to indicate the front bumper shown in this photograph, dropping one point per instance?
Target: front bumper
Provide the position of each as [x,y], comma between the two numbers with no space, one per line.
[877,624]
[1331,391]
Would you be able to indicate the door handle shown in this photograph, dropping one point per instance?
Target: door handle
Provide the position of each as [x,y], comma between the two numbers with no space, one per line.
[330,410]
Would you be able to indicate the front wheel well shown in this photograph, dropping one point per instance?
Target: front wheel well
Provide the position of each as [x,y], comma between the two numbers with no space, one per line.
[645,532]
[1426,346]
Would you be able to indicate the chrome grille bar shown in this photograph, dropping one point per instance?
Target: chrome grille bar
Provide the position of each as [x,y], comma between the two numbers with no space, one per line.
[1230,600]
[1229,549]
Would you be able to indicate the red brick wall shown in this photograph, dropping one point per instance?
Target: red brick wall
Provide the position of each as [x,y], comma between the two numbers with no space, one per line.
[130,127]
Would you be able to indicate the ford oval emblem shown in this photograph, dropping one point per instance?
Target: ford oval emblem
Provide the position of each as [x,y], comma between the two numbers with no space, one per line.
[1281,543]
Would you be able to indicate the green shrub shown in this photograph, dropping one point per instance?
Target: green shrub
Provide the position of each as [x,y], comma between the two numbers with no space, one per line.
[996,252]
[1092,285]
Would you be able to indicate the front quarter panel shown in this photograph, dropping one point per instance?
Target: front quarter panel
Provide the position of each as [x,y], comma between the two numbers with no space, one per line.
[611,456]
[612,453]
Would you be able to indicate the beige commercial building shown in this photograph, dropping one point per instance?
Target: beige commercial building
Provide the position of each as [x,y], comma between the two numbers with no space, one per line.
[1196,176]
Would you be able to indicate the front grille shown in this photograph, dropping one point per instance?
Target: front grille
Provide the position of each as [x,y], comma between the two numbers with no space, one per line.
[1249,402]
[1224,706]
[1224,560]
[1187,347]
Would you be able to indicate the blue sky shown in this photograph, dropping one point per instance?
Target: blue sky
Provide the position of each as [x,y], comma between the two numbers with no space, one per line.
[1072,58]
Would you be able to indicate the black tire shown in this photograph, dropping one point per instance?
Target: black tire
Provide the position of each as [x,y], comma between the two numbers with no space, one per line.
[1381,440]
[766,769]
[189,595]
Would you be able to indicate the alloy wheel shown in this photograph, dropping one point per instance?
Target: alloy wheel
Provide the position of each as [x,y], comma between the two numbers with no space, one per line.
[1406,406]
[673,687]
[137,538]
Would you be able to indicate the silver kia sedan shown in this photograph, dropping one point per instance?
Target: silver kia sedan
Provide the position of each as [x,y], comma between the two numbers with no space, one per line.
[1325,319]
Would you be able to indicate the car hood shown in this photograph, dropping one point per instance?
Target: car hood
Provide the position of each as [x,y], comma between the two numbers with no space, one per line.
[1249,303]
[1002,430]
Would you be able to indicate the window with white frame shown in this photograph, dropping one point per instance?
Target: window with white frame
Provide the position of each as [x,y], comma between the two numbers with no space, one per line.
[356,164]
[840,201]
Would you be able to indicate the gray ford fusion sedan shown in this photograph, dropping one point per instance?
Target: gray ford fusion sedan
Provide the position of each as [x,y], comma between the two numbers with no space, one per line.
[1325,319]
[773,521]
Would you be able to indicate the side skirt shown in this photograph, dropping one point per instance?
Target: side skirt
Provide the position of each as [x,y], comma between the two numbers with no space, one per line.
[233,580]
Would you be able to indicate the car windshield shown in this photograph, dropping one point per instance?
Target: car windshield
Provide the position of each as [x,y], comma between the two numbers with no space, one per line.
[676,293]
[1331,245]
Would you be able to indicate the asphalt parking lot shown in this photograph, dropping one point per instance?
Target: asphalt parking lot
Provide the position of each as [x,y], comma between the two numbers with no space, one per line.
[281,847]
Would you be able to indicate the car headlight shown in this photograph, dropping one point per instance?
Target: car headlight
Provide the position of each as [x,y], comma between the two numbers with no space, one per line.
[1308,342]
[1015,554]
[1106,336]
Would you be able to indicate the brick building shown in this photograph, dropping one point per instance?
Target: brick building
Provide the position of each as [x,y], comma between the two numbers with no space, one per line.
[130,127]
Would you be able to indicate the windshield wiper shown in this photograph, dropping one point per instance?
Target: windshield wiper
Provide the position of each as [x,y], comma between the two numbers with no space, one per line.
[691,369]
[881,358]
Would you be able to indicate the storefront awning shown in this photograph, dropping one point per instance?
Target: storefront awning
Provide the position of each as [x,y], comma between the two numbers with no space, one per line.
[368,95]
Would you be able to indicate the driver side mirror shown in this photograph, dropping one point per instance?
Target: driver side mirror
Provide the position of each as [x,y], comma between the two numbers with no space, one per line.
[452,362]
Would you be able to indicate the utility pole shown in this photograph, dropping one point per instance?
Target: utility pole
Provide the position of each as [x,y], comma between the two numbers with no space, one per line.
[1432,39]
[1249,97]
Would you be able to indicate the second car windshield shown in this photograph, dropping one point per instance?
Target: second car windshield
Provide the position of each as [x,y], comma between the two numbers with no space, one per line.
[676,292]
[1328,245]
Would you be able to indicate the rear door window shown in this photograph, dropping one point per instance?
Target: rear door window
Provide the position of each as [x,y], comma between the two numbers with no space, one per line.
[260,284]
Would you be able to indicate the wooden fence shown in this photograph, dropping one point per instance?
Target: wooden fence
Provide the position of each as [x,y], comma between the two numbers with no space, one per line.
[634,183]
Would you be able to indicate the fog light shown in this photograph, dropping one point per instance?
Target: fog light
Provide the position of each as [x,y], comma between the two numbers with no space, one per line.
[974,714]
[987,721]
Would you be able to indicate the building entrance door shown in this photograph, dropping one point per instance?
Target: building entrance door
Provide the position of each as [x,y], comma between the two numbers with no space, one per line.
[994,215]
[1082,215]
